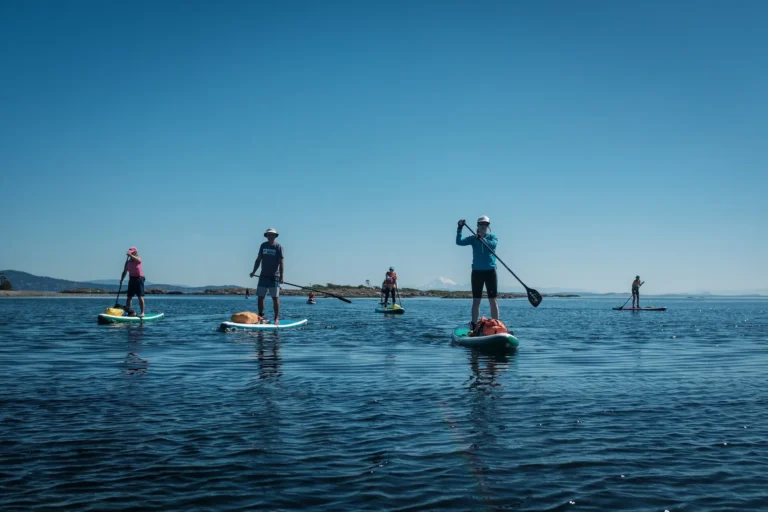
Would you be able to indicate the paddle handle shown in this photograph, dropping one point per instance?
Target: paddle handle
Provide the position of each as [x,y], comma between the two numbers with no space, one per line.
[122,278]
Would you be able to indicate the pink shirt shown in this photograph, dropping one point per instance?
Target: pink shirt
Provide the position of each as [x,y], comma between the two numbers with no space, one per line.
[134,268]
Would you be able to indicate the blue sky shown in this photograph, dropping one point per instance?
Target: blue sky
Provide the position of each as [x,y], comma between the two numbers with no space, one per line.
[604,139]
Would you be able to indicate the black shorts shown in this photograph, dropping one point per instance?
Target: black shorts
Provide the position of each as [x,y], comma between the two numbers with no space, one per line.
[635,291]
[487,278]
[135,287]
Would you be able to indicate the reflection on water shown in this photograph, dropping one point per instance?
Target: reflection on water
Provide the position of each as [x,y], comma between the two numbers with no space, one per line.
[268,355]
[134,364]
[485,369]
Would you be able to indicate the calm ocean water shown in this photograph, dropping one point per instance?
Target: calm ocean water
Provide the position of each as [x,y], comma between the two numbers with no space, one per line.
[598,409]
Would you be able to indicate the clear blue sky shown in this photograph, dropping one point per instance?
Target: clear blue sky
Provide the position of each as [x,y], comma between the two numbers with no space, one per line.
[604,139]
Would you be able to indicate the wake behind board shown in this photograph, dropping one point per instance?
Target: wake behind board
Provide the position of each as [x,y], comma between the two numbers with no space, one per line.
[640,309]
[284,324]
[392,310]
[503,341]
[114,319]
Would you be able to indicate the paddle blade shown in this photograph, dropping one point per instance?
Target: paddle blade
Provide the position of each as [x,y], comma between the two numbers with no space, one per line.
[345,300]
[534,297]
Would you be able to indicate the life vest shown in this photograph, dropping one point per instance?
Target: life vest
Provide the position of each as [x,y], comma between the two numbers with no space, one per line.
[489,327]
[389,282]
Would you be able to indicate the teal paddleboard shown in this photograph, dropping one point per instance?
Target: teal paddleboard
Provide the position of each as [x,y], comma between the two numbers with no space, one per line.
[503,341]
[114,319]
[284,324]
[391,311]
[640,309]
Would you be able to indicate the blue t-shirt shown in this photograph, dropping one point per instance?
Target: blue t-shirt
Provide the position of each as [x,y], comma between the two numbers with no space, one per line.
[271,256]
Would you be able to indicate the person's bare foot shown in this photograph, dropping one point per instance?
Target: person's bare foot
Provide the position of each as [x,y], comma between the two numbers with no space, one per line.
[277,322]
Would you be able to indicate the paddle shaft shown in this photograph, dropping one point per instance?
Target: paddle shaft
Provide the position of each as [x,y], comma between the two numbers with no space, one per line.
[625,302]
[497,257]
[122,278]
[311,289]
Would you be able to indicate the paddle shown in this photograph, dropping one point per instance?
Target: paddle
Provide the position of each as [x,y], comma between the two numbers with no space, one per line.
[625,302]
[312,289]
[122,278]
[534,297]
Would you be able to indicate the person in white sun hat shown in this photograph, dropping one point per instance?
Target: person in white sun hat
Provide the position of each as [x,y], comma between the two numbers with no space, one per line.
[483,266]
[272,272]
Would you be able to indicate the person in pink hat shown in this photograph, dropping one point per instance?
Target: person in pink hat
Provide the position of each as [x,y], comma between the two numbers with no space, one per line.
[135,279]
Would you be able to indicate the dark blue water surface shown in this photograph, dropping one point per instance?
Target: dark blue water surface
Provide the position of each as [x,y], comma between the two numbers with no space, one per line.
[597,410]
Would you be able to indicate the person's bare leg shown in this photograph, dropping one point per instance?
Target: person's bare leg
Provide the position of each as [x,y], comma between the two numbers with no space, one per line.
[494,308]
[276,305]
[475,310]
[141,305]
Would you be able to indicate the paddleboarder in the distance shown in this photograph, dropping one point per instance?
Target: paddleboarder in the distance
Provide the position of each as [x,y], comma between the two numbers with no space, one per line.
[636,291]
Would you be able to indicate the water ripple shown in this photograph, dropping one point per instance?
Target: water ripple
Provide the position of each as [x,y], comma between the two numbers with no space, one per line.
[597,410]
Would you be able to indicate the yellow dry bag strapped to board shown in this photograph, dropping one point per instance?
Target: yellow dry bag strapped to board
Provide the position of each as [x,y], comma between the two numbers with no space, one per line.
[114,311]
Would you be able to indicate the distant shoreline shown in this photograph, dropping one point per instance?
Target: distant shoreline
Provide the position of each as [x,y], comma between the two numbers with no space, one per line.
[342,291]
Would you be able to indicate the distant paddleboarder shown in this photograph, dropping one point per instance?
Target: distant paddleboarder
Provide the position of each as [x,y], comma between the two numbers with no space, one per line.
[483,266]
[636,291]
[390,284]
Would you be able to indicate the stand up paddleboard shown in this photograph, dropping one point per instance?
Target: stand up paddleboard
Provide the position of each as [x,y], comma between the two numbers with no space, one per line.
[500,342]
[284,324]
[640,309]
[391,310]
[114,319]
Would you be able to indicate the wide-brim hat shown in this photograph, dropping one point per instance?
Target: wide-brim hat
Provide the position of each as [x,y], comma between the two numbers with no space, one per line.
[271,231]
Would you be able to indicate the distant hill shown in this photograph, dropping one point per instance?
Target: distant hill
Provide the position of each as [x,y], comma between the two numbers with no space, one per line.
[24,281]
